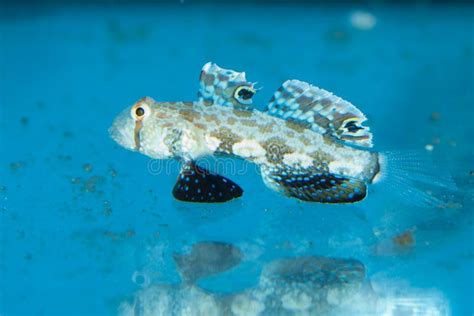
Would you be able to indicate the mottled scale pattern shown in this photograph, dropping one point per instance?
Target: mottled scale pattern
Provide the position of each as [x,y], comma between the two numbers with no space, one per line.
[277,138]
[314,186]
[224,87]
[321,111]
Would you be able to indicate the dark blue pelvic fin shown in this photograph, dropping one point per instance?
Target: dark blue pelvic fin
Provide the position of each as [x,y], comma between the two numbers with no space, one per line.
[196,184]
[318,187]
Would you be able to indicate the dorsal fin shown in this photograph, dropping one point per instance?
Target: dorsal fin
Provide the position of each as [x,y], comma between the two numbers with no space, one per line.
[320,111]
[225,87]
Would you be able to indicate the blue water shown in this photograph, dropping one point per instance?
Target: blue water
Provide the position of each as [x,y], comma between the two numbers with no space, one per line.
[80,216]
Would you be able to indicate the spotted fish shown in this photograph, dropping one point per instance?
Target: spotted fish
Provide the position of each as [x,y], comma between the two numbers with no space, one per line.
[309,144]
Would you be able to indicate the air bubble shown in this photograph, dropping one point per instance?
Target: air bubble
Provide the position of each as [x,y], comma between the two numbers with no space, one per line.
[140,278]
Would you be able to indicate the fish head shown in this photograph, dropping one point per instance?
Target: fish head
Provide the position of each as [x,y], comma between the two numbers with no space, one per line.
[145,127]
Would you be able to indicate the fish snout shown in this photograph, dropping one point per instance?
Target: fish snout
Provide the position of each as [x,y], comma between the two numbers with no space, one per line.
[122,130]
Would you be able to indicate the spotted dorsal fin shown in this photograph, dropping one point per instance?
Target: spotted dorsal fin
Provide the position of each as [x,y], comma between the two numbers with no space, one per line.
[320,111]
[218,86]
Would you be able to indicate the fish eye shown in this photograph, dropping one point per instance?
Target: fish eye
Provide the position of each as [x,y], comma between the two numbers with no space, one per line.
[244,94]
[140,111]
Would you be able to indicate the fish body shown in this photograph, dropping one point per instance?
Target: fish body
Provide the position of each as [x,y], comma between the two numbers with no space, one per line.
[309,144]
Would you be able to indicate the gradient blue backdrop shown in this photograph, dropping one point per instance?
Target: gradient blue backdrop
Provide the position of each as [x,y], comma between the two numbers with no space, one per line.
[73,235]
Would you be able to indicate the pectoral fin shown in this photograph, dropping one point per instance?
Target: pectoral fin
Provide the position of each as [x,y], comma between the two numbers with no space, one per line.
[313,186]
[196,184]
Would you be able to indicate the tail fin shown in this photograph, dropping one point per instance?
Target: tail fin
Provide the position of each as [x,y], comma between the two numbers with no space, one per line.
[417,177]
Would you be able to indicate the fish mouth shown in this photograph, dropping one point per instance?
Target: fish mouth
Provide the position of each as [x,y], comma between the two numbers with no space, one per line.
[122,130]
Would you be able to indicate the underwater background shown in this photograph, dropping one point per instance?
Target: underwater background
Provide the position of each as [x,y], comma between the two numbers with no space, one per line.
[86,224]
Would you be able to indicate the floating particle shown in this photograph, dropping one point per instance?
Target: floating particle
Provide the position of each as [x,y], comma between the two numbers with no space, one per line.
[363,20]
[68,134]
[14,166]
[65,157]
[111,235]
[107,209]
[435,116]
[40,105]
[471,173]
[404,239]
[24,120]
[112,172]
[337,36]
[75,180]
[4,188]
[139,278]
[452,143]
[87,167]
[449,266]
[90,184]
[130,233]
[429,147]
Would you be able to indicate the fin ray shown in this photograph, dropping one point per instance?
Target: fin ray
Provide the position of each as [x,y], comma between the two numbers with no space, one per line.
[416,177]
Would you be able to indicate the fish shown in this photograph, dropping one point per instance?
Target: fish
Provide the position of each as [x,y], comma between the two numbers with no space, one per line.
[206,258]
[312,285]
[308,143]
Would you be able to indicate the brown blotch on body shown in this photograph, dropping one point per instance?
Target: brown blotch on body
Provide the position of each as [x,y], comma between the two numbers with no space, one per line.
[167,125]
[321,160]
[200,126]
[231,121]
[212,118]
[227,138]
[188,103]
[161,115]
[267,128]
[242,113]
[207,102]
[305,140]
[248,122]
[296,126]
[276,148]
[189,115]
